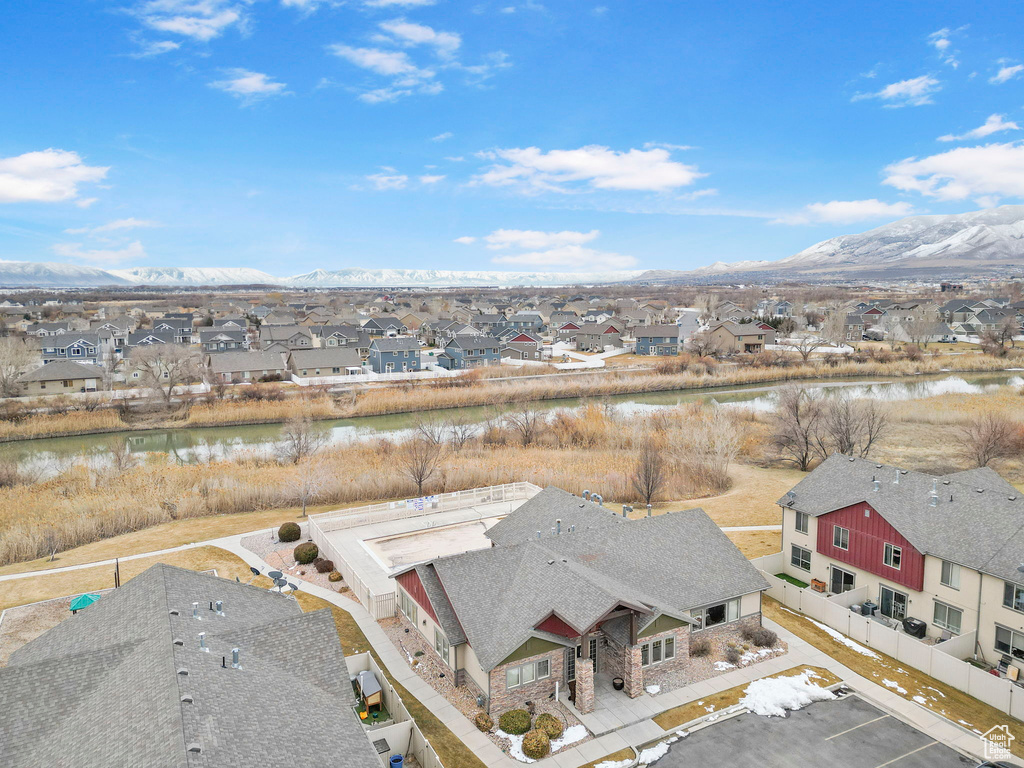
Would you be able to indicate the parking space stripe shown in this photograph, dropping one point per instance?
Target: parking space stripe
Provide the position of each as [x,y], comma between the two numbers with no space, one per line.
[842,733]
[911,752]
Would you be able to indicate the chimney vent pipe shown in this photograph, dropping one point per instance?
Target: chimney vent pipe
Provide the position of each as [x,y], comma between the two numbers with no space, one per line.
[234,659]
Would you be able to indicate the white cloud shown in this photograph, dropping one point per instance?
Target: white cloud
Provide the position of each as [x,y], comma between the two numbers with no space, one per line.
[201,20]
[1006,73]
[990,171]
[377,60]
[410,33]
[535,240]
[155,48]
[248,86]
[131,252]
[47,176]
[994,124]
[846,212]
[666,145]
[113,226]
[388,180]
[941,42]
[571,257]
[593,167]
[431,179]
[443,136]
[915,92]
[477,74]
[466,240]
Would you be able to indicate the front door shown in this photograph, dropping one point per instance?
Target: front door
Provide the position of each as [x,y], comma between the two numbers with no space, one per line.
[841,581]
[892,603]
[570,665]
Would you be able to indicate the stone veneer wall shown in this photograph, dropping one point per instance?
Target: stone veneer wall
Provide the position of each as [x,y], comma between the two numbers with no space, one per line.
[753,621]
[503,699]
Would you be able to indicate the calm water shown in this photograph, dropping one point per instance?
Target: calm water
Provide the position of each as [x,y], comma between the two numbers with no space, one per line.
[205,444]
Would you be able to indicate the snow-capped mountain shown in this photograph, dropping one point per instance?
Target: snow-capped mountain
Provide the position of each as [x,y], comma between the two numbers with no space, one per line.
[195,276]
[46,274]
[355,277]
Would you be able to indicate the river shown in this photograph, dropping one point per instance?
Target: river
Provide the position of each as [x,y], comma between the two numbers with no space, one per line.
[51,455]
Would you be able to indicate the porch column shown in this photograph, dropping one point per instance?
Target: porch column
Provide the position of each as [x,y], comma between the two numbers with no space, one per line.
[585,685]
[632,671]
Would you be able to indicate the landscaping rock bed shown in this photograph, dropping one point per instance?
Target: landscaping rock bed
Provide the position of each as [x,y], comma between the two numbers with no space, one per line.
[278,555]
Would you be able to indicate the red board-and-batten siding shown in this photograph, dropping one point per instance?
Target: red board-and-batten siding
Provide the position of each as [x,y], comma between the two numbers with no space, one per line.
[868,536]
[556,626]
[410,582]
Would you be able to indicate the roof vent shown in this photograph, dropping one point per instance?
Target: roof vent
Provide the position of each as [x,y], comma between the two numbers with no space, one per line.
[218,606]
[980,490]
[538,534]
[586,495]
[195,610]
[1012,498]
[178,641]
[944,482]
[202,642]
[196,747]
[186,699]
[235,664]
[852,458]
[174,612]
[897,480]
[878,466]
[875,484]
[183,672]
[551,562]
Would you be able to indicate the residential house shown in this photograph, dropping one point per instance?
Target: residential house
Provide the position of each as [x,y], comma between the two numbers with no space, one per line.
[147,338]
[394,355]
[560,316]
[285,337]
[853,328]
[530,322]
[521,346]
[657,340]
[231,322]
[249,366]
[60,377]
[769,332]
[278,316]
[73,345]
[180,327]
[384,326]
[346,336]
[594,337]
[462,352]
[945,550]
[150,676]
[42,330]
[568,330]
[600,600]
[214,340]
[324,362]
[733,337]
[597,316]
[490,323]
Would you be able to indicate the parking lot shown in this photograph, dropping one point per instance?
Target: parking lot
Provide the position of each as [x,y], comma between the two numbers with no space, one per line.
[846,733]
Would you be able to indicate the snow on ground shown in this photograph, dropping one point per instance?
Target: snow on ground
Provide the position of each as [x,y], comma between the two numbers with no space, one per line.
[895,686]
[772,696]
[920,700]
[653,689]
[722,666]
[839,637]
[570,735]
[614,764]
[659,750]
[515,746]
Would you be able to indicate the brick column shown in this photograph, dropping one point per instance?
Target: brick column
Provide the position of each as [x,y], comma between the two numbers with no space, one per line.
[632,671]
[585,685]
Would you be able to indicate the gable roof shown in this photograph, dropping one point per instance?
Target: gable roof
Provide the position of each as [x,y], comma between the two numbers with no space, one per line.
[252,360]
[540,513]
[977,521]
[330,357]
[107,685]
[61,370]
[400,344]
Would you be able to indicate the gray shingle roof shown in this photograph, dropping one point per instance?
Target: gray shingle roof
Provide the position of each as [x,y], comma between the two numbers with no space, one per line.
[105,688]
[541,512]
[978,521]
[252,360]
[63,369]
[399,344]
[326,357]
[665,564]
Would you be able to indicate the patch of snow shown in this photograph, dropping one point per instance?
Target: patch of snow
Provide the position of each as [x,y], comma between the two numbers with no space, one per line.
[920,699]
[570,735]
[964,722]
[659,750]
[721,666]
[894,685]
[614,764]
[653,689]
[751,656]
[515,746]
[709,708]
[841,638]
[936,690]
[772,696]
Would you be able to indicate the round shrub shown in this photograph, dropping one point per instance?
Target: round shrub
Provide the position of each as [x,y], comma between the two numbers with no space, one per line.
[764,638]
[515,721]
[732,655]
[536,744]
[483,721]
[334,576]
[306,553]
[700,647]
[289,532]
[550,724]
[323,565]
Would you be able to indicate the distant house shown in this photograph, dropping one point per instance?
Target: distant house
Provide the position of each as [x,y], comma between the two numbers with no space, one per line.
[384,326]
[223,340]
[657,340]
[567,331]
[769,332]
[75,346]
[594,337]
[470,352]
[253,365]
[521,346]
[328,361]
[180,327]
[48,329]
[734,337]
[60,377]
[150,676]
[286,337]
[490,323]
[345,335]
[394,355]
[148,338]
[853,328]
[235,322]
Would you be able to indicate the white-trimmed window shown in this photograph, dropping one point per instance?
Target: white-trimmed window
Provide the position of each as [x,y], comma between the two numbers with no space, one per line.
[713,615]
[407,605]
[441,646]
[1010,641]
[950,575]
[801,522]
[892,556]
[657,651]
[523,674]
[800,558]
[947,617]
[1013,596]
[840,537]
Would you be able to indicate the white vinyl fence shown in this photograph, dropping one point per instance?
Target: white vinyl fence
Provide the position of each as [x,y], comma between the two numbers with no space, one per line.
[943,661]
[382,605]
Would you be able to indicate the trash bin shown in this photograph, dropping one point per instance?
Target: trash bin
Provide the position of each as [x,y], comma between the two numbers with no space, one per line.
[868,608]
[397,761]
[855,608]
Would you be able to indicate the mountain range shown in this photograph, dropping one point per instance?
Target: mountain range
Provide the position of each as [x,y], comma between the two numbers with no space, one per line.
[917,245]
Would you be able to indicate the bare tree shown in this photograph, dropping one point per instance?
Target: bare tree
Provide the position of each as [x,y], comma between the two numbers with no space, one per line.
[419,460]
[301,438]
[162,367]
[850,426]
[429,429]
[309,482]
[833,329]
[712,443]
[121,457]
[996,339]
[806,345]
[526,423]
[460,433]
[16,358]
[796,426]
[918,324]
[991,436]
[649,476]
[702,343]
[708,304]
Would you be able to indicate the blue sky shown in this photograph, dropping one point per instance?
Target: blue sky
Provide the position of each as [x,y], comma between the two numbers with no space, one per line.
[287,135]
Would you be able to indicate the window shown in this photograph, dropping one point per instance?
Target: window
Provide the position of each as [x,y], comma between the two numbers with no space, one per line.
[713,615]
[76,351]
[67,383]
[840,581]
[407,605]
[947,617]
[892,556]
[441,646]
[800,558]
[950,574]
[670,648]
[892,603]
[1013,596]
[801,522]
[657,651]
[1008,641]
[840,537]
[527,673]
